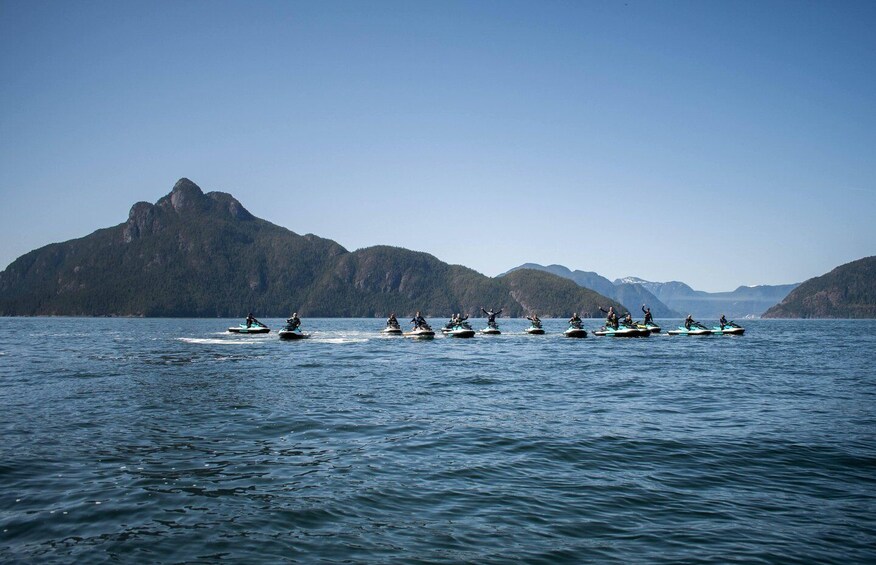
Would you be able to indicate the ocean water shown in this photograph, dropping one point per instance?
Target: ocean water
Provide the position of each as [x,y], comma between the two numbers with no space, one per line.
[146,440]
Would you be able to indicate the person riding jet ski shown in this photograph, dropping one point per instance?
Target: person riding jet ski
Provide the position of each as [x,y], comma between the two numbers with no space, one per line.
[575,321]
[648,318]
[536,321]
[491,316]
[418,321]
[611,318]
[293,322]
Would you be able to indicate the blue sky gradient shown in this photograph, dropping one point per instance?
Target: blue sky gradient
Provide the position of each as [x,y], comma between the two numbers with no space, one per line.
[716,143]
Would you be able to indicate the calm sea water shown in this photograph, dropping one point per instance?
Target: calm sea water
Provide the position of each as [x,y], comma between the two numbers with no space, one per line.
[172,441]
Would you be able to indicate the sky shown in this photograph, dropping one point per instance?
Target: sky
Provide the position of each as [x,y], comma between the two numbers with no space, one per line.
[716,143]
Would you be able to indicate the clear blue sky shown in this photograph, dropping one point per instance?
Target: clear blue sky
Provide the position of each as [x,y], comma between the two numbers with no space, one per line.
[715,143]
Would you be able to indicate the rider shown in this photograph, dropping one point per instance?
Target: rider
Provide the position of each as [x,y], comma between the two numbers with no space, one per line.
[293,322]
[250,320]
[688,322]
[575,321]
[611,318]
[536,322]
[628,320]
[648,318]
[491,316]
[722,321]
[392,321]
[418,321]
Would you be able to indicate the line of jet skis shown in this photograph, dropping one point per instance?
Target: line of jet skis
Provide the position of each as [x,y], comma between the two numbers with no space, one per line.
[459,327]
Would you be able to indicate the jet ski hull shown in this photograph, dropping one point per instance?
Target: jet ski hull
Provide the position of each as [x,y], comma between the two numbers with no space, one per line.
[249,330]
[622,332]
[575,332]
[490,331]
[461,333]
[534,331]
[392,331]
[288,335]
[420,334]
[694,331]
[728,331]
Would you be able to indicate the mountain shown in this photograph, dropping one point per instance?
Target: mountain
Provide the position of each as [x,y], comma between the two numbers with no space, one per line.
[195,254]
[744,302]
[631,295]
[849,291]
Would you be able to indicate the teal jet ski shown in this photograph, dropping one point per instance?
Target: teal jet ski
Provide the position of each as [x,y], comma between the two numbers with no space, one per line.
[460,330]
[730,328]
[621,331]
[695,329]
[575,329]
[491,329]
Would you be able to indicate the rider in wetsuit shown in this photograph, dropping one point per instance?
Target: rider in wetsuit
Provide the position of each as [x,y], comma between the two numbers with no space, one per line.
[611,318]
[648,318]
[293,322]
[491,316]
[536,321]
[392,321]
[628,320]
[575,321]
[688,322]
[722,321]
[418,321]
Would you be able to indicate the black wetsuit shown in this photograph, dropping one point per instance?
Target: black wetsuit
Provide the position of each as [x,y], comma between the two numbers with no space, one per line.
[648,318]
[611,320]
[491,317]
[536,322]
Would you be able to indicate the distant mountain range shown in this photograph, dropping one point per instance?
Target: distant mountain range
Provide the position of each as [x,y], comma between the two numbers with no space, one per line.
[204,255]
[633,296]
[675,299]
[849,291]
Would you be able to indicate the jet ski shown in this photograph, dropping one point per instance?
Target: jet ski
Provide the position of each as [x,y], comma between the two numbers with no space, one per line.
[621,331]
[575,329]
[535,330]
[650,326]
[491,329]
[252,329]
[423,331]
[288,334]
[695,329]
[392,329]
[460,330]
[730,328]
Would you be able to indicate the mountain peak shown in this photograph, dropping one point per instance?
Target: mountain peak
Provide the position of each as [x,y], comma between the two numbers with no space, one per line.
[630,280]
[185,194]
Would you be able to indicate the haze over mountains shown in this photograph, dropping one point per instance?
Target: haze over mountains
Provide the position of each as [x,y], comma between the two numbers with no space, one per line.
[675,299]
